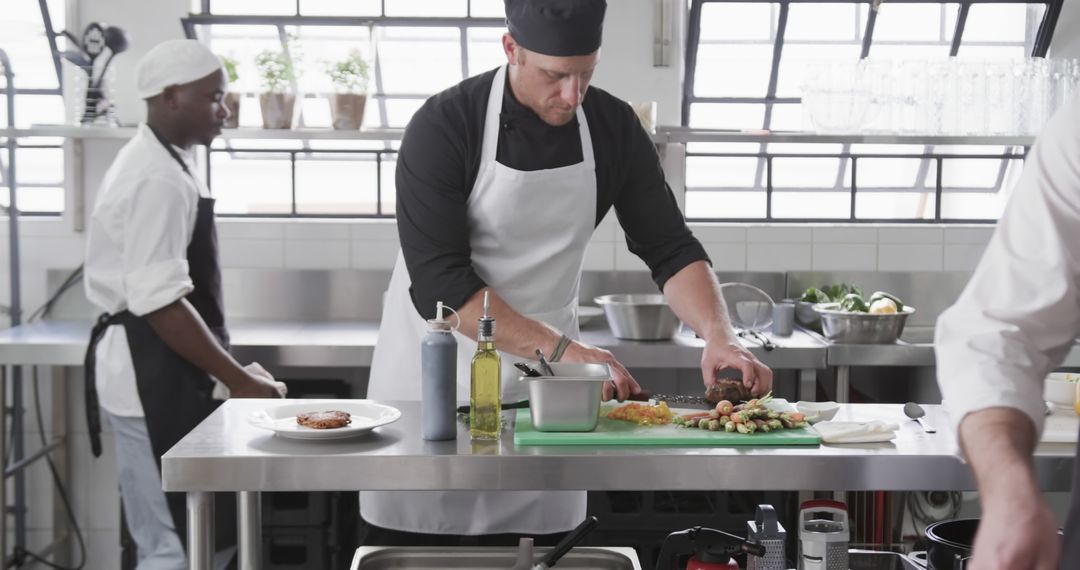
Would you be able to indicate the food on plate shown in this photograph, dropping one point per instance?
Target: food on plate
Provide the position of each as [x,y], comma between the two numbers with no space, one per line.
[330,419]
[748,418]
[730,389]
[643,414]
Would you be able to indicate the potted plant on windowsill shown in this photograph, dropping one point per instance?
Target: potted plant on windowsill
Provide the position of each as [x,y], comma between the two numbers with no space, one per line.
[277,100]
[232,98]
[350,79]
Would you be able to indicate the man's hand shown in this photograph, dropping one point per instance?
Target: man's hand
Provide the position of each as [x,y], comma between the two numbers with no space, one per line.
[720,355]
[258,383]
[1017,531]
[624,383]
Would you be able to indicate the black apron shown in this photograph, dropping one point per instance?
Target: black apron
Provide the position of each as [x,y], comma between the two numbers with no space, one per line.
[176,396]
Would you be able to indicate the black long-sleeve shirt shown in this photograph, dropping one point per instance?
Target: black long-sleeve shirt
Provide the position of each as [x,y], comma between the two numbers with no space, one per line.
[439,161]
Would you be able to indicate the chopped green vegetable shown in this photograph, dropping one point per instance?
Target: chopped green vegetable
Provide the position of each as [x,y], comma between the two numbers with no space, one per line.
[854,303]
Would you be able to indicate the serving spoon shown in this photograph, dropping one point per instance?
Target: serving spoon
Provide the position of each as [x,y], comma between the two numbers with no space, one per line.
[916,412]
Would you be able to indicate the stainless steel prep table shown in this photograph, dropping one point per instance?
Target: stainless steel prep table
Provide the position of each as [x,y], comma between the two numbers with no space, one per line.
[225,453]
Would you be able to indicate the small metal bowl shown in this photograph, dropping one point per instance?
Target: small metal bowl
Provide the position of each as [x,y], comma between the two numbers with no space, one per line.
[842,327]
[639,317]
[805,314]
[570,400]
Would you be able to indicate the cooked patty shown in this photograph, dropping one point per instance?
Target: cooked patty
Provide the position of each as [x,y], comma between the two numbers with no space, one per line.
[324,420]
[730,389]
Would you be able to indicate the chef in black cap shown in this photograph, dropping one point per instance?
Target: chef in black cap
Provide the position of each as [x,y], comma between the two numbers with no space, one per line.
[501,181]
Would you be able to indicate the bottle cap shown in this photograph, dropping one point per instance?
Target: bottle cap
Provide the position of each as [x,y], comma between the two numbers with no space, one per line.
[486,329]
[441,324]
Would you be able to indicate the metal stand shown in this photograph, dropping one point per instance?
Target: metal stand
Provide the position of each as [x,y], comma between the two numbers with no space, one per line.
[249,521]
[200,514]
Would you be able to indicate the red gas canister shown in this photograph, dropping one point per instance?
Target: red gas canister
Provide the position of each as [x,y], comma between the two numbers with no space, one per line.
[695,564]
[712,549]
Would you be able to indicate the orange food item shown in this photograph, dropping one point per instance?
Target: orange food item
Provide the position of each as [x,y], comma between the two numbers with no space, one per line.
[643,414]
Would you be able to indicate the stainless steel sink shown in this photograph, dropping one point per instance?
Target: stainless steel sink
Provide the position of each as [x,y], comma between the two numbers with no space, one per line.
[877,560]
[476,558]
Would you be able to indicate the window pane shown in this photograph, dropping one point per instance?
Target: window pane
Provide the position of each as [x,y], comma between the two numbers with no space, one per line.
[835,22]
[38,165]
[894,173]
[741,21]
[788,117]
[260,8]
[811,205]
[419,60]
[974,174]
[317,111]
[485,49]
[797,60]
[1002,23]
[426,8]
[909,51]
[733,70]
[488,9]
[243,44]
[810,173]
[894,205]
[389,190]
[323,46]
[725,204]
[912,22]
[22,36]
[34,110]
[721,172]
[336,184]
[251,183]
[726,116]
[341,7]
[36,199]
[400,111]
[993,52]
[972,206]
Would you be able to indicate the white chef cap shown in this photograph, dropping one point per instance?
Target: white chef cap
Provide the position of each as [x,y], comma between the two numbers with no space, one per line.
[173,62]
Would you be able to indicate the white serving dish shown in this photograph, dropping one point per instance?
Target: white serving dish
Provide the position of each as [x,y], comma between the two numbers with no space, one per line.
[366,416]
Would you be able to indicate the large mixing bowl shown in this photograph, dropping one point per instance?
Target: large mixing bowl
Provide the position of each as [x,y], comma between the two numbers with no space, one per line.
[843,327]
[639,317]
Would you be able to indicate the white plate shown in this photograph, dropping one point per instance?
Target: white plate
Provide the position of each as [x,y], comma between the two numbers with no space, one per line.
[366,415]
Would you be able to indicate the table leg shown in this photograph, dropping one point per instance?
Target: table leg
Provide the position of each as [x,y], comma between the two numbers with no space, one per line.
[249,507]
[61,460]
[843,384]
[808,385]
[200,519]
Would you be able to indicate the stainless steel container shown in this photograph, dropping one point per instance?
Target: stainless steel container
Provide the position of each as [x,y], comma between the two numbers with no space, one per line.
[860,328]
[475,558]
[639,317]
[570,400]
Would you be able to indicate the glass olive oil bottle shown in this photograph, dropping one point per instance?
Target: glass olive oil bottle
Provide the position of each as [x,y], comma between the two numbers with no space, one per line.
[486,385]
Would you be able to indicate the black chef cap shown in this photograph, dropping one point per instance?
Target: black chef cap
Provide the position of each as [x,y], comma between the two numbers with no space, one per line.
[556,27]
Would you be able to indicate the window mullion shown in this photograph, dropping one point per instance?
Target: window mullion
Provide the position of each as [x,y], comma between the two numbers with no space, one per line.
[961,21]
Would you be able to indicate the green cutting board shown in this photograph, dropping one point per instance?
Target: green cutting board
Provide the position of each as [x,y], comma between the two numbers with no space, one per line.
[617,432]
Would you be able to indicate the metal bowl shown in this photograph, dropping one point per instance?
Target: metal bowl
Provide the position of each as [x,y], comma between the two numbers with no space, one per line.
[842,327]
[570,400]
[639,317]
[805,314]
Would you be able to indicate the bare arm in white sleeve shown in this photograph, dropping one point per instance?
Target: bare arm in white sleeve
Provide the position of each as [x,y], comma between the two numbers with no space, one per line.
[1012,325]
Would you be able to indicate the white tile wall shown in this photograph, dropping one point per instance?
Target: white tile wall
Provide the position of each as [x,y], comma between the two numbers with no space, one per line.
[910,235]
[374,254]
[840,234]
[718,233]
[252,253]
[845,256]
[779,234]
[318,230]
[599,256]
[250,229]
[778,256]
[963,257]
[317,254]
[907,257]
[979,235]
[727,256]
[626,261]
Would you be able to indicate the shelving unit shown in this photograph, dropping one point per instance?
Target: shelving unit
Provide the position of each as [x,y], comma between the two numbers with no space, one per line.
[663,135]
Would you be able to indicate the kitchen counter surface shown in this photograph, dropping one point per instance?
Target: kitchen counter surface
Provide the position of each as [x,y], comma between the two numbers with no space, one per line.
[225,453]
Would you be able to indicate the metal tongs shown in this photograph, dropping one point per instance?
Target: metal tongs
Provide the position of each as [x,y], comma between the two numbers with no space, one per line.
[759,338]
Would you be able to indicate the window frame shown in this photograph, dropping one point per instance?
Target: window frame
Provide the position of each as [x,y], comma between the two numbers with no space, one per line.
[1041,45]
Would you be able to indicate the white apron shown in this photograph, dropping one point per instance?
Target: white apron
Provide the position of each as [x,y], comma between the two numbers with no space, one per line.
[528,232]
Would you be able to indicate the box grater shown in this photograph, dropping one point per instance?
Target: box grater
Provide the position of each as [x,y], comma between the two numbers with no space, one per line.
[823,543]
[768,532]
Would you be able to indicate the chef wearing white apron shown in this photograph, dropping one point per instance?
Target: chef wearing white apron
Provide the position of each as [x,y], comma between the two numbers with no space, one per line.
[500,184]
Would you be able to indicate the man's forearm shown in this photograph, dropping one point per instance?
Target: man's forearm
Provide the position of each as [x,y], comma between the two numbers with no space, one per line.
[998,443]
[694,295]
[514,332]
[183,330]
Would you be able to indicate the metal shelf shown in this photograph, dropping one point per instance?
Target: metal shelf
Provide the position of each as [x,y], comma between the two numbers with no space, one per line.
[74,132]
[686,135]
[663,135]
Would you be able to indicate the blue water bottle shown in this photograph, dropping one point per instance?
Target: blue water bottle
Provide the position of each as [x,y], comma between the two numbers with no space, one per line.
[438,390]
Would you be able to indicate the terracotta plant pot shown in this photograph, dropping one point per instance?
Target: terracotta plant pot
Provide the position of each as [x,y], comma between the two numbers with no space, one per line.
[232,103]
[347,110]
[277,110]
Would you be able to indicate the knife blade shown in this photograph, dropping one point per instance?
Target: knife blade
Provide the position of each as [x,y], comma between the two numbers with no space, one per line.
[673,399]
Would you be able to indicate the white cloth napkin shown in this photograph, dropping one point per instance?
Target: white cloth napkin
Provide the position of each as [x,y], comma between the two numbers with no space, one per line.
[856,432]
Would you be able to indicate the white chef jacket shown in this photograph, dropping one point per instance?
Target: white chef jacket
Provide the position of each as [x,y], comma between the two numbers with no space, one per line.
[136,252]
[1020,313]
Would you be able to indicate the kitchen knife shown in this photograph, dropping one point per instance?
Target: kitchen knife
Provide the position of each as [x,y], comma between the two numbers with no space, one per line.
[672,399]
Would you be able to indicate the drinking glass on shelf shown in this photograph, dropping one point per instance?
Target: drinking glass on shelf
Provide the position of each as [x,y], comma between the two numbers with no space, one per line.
[971,108]
[1000,97]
